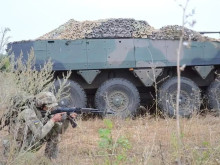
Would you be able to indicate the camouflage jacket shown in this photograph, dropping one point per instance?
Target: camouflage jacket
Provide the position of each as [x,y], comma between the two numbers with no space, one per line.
[30,130]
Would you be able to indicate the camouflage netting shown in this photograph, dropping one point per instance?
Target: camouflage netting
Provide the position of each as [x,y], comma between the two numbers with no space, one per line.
[120,28]
[173,32]
[110,28]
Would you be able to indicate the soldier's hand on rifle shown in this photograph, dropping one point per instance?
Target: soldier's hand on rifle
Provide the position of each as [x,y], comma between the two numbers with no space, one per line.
[73,115]
[57,117]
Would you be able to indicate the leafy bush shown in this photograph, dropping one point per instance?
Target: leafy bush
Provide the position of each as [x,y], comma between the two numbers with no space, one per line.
[4,62]
[19,84]
[115,150]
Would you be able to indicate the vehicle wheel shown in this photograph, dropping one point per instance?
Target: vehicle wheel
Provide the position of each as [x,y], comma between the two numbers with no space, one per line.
[189,97]
[213,93]
[77,95]
[118,96]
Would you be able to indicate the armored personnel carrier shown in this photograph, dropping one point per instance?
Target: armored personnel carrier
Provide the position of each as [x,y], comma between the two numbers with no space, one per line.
[121,64]
[117,75]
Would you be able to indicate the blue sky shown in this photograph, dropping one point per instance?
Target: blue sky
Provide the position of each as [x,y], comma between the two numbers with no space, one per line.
[29,19]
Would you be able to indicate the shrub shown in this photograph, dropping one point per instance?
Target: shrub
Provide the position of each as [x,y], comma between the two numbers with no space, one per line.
[20,82]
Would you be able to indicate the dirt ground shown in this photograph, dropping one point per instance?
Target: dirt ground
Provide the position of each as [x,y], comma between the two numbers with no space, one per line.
[152,140]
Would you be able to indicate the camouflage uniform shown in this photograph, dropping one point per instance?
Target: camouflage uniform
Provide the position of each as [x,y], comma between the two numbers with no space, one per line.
[31,130]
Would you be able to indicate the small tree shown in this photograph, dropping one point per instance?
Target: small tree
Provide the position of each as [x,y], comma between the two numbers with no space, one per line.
[19,84]
[185,17]
[4,39]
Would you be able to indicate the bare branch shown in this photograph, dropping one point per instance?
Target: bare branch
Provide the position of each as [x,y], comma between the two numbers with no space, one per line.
[4,39]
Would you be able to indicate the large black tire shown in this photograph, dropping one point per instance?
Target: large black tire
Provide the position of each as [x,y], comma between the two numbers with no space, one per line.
[213,93]
[118,96]
[190,98]
[77,95]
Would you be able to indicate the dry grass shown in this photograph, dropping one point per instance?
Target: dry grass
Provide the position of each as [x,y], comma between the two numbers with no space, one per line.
[153,142]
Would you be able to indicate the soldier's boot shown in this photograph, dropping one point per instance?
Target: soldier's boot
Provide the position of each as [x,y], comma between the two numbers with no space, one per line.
[6,147]
[51,150]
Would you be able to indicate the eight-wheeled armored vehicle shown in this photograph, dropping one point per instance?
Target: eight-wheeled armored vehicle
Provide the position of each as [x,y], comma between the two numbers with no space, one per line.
[118,75]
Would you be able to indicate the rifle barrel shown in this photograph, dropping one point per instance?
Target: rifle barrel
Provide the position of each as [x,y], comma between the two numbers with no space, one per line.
[76,110]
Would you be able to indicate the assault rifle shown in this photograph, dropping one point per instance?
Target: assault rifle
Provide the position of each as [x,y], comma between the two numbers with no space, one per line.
[71,110]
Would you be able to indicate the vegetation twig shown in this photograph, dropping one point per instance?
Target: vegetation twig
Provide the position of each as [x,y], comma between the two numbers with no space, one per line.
[3,39]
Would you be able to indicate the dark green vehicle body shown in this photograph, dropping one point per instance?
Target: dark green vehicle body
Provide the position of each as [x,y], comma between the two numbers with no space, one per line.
[141,62]
[119,53]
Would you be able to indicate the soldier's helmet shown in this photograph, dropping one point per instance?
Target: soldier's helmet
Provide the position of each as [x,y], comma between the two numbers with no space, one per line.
[46,99]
